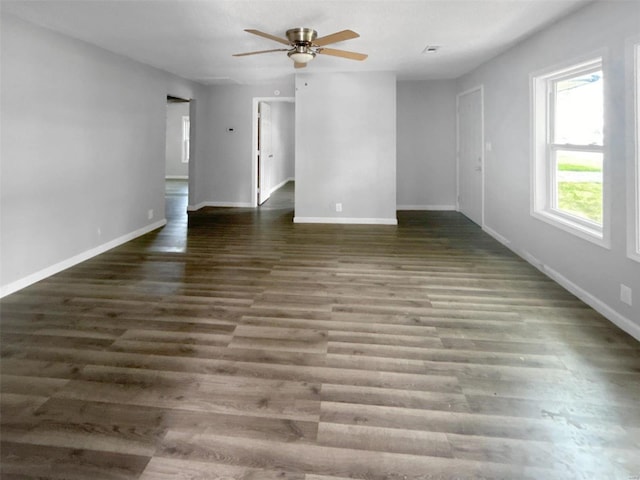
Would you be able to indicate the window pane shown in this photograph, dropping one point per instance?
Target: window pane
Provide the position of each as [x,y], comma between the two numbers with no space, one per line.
[579,184]
[579,110]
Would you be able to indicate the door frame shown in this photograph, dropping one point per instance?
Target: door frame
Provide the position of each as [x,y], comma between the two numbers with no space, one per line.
[479,88]
[254,141]
[265,157]
[191,164]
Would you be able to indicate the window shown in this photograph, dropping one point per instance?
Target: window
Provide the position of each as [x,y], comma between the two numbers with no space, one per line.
[186,127]
[568,158]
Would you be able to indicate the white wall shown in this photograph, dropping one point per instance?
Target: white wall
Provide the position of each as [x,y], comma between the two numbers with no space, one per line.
[83,139]
[175,168]
[346,147]
[225,170]
[283,141]
[426,149]
[592,272]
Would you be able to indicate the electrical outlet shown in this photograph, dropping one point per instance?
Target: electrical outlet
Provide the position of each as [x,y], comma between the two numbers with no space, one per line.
[625,294]
[338,207]
[150,213]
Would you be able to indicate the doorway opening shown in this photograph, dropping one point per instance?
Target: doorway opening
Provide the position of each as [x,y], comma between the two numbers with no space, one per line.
[177,157]
[273,157]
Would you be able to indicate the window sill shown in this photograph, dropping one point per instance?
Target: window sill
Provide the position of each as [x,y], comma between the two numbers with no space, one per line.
[592,235]
[634,256]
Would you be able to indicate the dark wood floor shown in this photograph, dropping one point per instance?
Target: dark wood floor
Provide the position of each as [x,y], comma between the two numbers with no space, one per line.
[247,347]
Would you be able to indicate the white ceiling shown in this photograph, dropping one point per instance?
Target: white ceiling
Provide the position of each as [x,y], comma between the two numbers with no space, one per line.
[195,39]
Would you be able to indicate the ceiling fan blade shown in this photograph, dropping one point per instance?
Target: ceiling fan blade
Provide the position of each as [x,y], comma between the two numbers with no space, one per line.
[300,65]
[259,51]
[342,53]
[335,37]
[268,35]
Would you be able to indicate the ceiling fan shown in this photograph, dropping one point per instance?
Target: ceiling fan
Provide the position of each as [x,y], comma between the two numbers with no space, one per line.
[303,45]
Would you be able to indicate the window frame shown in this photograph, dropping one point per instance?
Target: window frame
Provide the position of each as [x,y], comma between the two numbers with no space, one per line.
[633,185]
[544,150]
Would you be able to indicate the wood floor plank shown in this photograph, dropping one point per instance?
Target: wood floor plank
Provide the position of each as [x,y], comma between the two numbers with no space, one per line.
[283,321]
[380,439]
[580,391]
[380,364]
[41,461]
[182,338]
[138,442]
[339,337]
[264,404]
[18,408]
[335,461]
[285,339]
[574,413]
[445,355]
[527,452]
[235,344]
[179,469]
[546,429]
[38,386]
[430,400]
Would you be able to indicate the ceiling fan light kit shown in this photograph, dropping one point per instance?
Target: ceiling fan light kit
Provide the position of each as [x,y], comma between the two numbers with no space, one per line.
[301,57]
[305,45]
[301,54]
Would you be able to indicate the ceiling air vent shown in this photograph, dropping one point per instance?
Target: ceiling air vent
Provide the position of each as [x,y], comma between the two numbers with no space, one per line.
[431,49]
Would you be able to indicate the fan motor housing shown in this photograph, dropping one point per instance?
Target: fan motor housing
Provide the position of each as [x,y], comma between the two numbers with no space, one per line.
[301,36]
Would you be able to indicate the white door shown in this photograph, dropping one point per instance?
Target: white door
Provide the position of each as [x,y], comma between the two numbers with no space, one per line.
[265,152]
[470,155]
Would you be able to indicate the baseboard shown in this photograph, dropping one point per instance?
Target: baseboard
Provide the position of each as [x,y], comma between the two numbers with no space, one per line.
[198,206]
[504,241]
[598,305]
[76,259]
[176,177]
[347,221]
[282,184]
[426,207]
